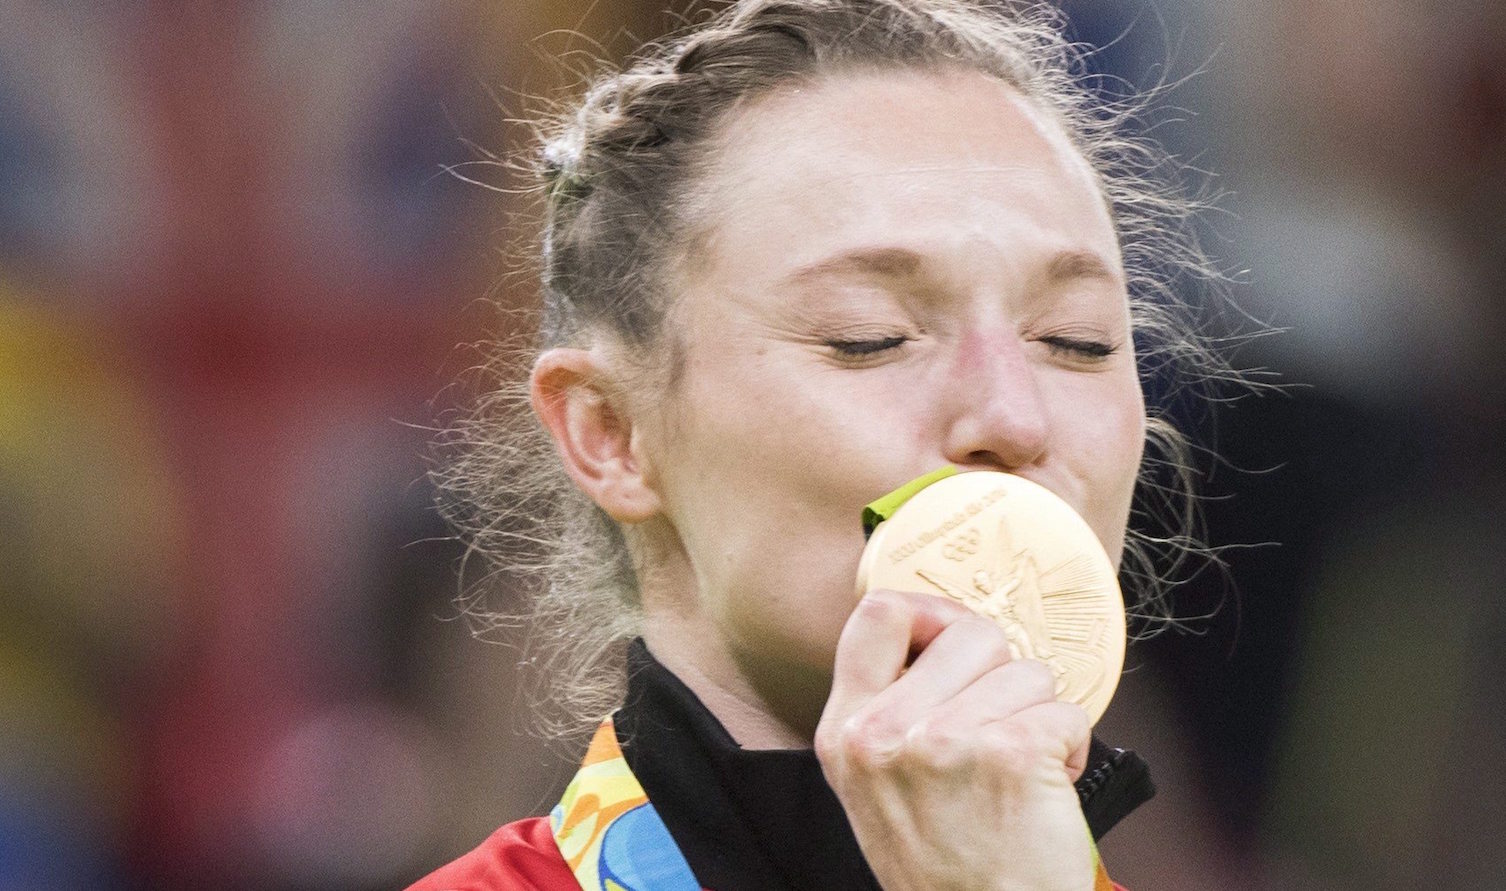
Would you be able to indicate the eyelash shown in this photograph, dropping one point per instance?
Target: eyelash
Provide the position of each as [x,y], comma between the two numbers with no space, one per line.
[863,348]
[1083,349]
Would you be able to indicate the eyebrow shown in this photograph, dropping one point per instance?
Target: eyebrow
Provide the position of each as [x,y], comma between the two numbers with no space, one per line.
[1076,264]
[885,262]
[902,263]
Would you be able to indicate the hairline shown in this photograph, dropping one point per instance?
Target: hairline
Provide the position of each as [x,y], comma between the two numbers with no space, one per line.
[699,218]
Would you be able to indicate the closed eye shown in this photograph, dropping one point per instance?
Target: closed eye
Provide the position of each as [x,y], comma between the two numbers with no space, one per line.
[1081,349]
[866,347]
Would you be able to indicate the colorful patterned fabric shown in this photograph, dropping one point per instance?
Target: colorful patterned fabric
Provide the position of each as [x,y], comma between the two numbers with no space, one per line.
[613,840]
[609,834]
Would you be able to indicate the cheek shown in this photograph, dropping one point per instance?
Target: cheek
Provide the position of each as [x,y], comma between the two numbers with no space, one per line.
[771,523]
[1124,435]
[1102,437]
[761,464]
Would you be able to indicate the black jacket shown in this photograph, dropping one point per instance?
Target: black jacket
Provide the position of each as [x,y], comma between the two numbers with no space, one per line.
[766,820]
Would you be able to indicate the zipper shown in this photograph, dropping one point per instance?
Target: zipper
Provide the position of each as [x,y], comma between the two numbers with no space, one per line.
[1089,784]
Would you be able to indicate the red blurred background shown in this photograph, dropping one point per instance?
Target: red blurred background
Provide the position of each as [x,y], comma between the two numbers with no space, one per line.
[233,277]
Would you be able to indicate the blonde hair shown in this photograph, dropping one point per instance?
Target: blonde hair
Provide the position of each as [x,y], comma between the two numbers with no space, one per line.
[616,175]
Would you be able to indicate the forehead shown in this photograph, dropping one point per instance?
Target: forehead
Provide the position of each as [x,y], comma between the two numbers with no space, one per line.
[878,156]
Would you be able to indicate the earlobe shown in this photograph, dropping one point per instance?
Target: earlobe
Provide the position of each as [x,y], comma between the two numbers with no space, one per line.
[571,394]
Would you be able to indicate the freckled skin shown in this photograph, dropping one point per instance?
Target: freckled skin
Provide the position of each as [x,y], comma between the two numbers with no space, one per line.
[773,439]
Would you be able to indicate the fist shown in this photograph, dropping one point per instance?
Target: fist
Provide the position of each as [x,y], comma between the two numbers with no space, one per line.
[953,761]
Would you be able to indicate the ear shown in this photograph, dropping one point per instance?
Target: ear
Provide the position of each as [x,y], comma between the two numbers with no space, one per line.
[570,392]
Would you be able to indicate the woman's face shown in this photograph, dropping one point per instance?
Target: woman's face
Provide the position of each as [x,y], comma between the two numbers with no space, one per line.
[901,270]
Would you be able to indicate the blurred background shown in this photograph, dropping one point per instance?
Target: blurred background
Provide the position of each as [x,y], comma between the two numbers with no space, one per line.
[233,279]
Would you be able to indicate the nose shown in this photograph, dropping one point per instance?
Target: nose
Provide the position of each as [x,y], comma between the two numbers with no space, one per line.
[996,416]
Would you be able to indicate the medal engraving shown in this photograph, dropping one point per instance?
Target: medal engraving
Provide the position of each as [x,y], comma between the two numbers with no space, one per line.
[961,516]
[1020,556]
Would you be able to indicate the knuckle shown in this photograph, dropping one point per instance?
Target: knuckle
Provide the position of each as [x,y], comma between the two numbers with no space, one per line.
[1023,741]
[868,752]
[883,604]
[865,739]
[1008,749]
[1038,678]
[937,743]
[1076,720]
[996,641]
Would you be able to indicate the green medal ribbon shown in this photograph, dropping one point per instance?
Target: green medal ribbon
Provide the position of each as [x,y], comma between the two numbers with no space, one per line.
[882,508]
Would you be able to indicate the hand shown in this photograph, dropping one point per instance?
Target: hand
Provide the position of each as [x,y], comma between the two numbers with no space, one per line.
[956,771]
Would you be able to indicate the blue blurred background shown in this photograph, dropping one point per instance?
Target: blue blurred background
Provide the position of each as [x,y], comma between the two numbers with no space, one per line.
[233,278]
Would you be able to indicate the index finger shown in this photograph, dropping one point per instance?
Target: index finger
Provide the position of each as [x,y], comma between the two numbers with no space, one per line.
[882,636]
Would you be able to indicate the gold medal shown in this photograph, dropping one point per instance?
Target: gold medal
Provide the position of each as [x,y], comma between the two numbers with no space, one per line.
[1010,550]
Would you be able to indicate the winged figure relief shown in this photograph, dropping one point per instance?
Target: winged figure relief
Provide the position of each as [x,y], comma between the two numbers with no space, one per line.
[1053,614]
